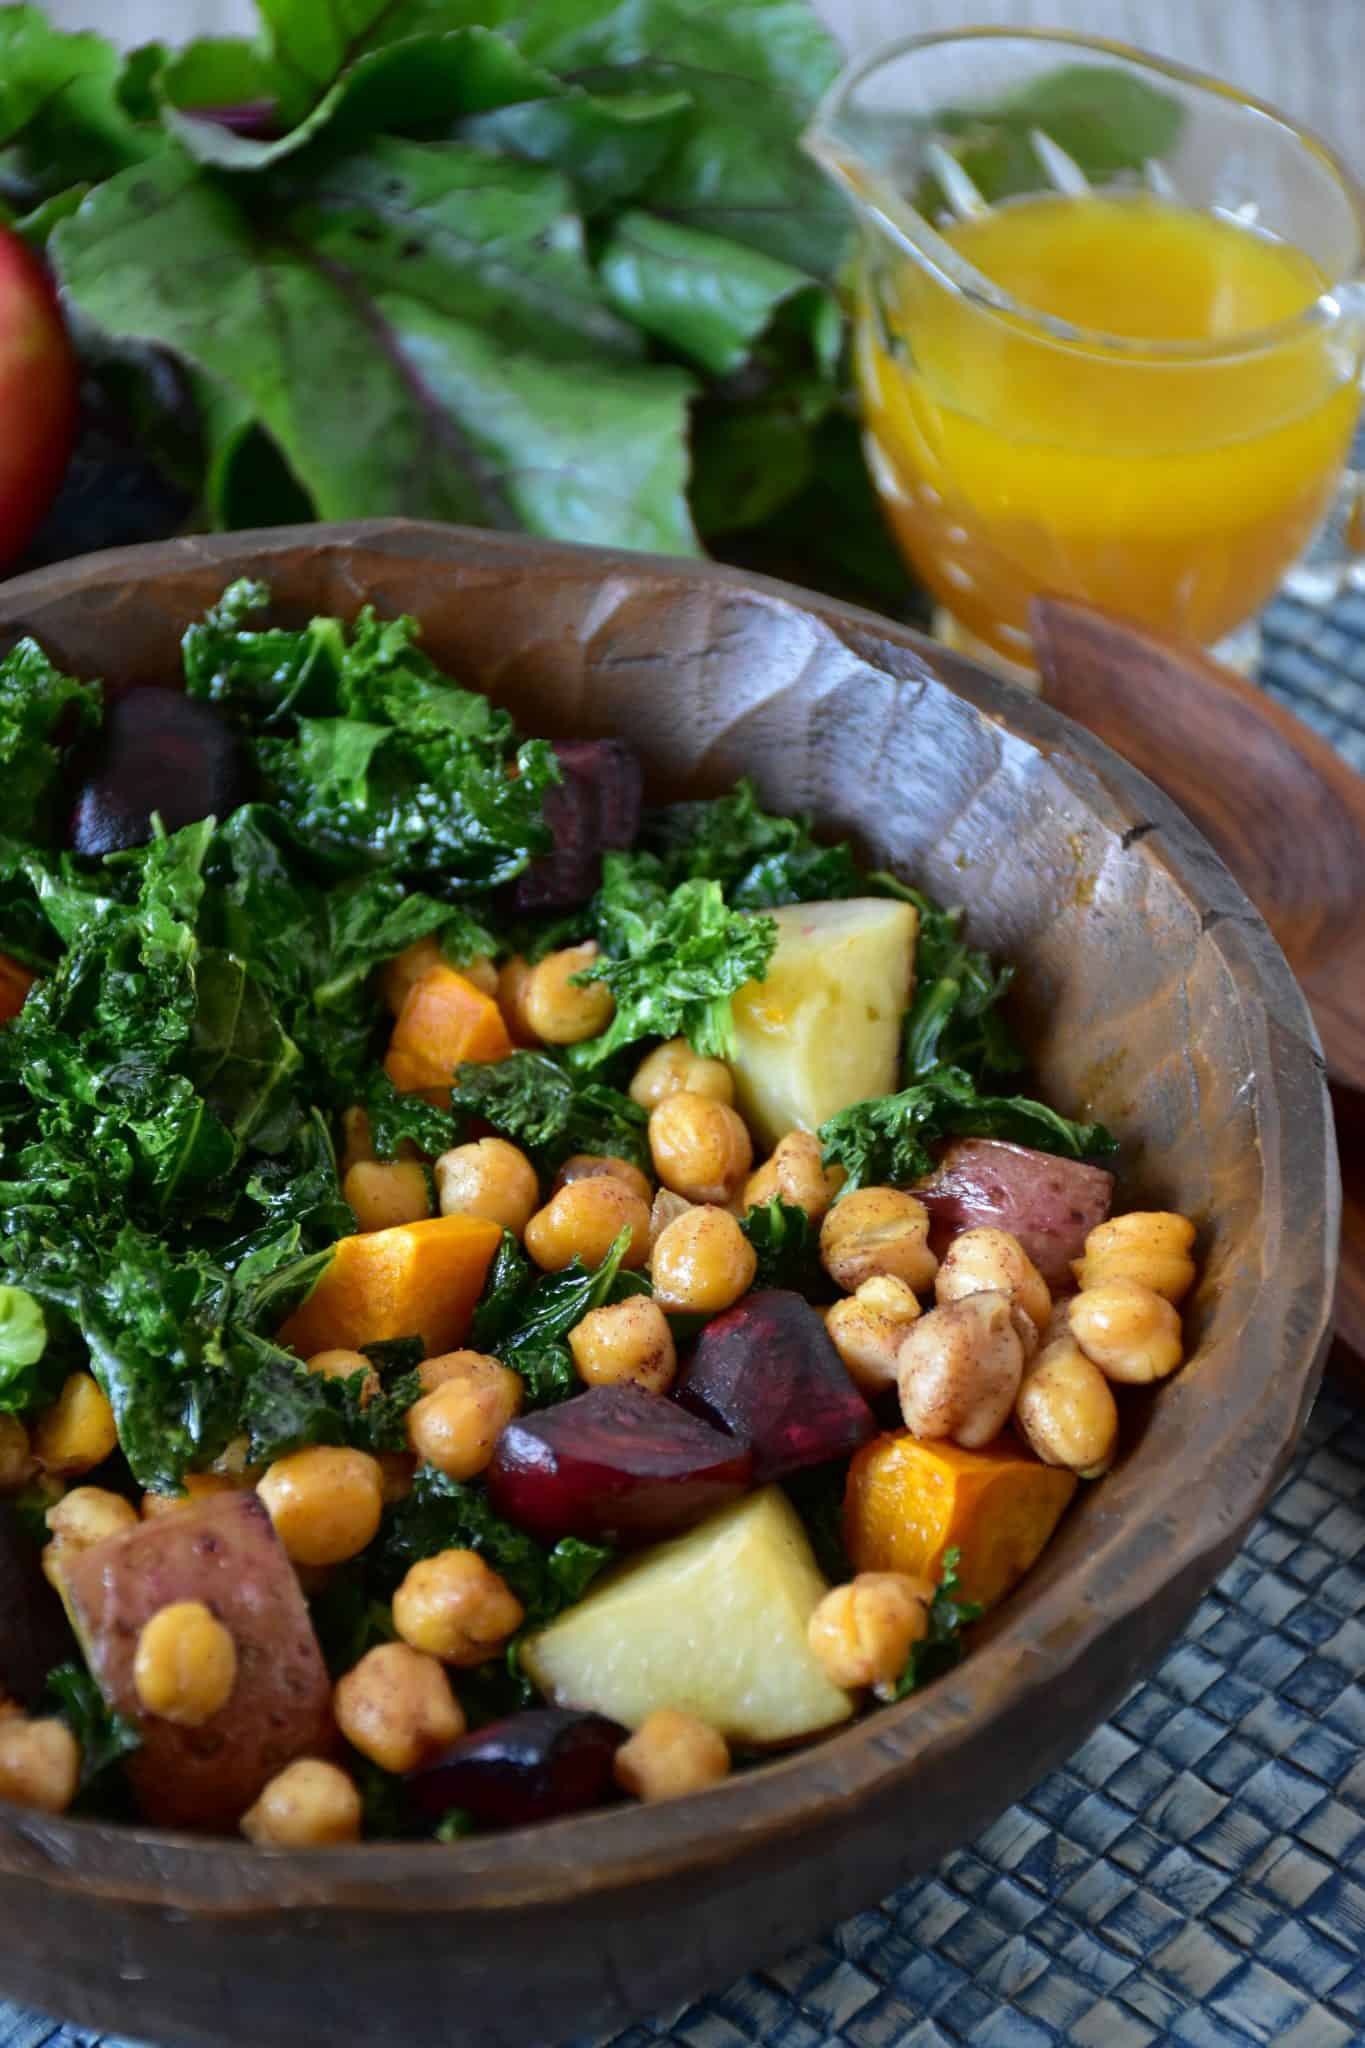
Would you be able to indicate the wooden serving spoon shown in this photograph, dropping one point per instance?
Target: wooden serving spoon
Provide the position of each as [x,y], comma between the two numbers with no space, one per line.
[1282,808]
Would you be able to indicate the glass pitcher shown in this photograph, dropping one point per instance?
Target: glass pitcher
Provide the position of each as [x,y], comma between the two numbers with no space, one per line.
[1166,446]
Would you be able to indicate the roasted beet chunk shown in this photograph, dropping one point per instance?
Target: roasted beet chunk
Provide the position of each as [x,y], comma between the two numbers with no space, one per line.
[533,1767]
[767,1372]
[594,810]
[33,1631]
[1049,1204]
[614,1463]
[160,751]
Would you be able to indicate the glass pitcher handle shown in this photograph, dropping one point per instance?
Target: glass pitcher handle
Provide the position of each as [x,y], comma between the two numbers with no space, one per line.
[1336,561]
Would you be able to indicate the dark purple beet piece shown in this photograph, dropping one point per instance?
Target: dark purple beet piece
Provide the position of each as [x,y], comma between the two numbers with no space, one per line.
[532,1767]
[33,1631]
[767,1371]
[614,1463]
[1049,1204]
[594,810]
[160,751]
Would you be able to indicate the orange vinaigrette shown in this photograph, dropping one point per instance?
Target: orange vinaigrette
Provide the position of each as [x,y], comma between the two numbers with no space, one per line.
[1177,491]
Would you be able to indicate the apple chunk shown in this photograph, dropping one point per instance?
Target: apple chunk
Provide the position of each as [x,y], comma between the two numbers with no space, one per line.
[822,1029]
[713,1622]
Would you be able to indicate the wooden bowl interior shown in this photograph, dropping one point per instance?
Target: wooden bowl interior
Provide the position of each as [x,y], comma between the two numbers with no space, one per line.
[1148,994]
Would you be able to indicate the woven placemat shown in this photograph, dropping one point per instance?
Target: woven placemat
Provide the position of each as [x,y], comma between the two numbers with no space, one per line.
[1196,1873]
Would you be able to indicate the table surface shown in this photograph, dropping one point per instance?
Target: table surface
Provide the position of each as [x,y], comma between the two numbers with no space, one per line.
[1196,1873]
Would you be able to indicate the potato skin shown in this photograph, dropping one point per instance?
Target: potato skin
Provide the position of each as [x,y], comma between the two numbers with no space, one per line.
[223,1551]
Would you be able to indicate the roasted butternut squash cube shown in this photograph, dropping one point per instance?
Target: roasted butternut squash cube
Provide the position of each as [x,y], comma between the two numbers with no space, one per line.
[908,1502]
[444,1020]
[415,1279]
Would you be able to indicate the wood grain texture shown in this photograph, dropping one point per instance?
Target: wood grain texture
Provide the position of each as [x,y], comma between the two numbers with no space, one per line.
[1149,992]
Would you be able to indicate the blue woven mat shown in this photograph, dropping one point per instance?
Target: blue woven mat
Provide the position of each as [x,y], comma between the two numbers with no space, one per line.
[1196,1873]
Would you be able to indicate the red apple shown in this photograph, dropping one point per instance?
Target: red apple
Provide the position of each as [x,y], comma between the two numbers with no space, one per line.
[38,394]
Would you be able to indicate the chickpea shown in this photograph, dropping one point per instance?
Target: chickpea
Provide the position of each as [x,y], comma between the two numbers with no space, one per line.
[702,1262]
[673,1069]
[81,1519]
[796,1174]
[1066,1412]
[627,1340]
[700,1147]
[459,1365]
[344,1365]
[16,1456]
[198,1486]
[185,1665]
[863,1632]
[1129,1331]
[670,1755]
[480,970]
[959,1370]
[1150,1245]
[396,1707]
[594,1165]
[325,1503]
[40,1764]
[986,1261]
[400,974]
[488,1178]
[877,1230]
[868,1328]
[513,976]
[455,1608]
[665,1209]
[78,1431]
[357,1140]
[308,1805]
[387,1193]
[584,1220]
[560,1011]
[456,1427]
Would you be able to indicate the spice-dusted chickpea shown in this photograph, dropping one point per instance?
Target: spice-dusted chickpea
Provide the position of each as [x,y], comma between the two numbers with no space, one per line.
[344,1365]
[325,1503]
[456,1427]
[77,1432]
[396,1707]
[385,1193]
[670,1755]
[82,1518]
[308,1805]
[198,1486]
[700,1147]
[16,1455]
[987,1261]
[868,1328]
[1150,1245]
[666,1208]
[488,1178]
[1130,1332]
[796,1174]
[460,1365]
[959,1370]
[877,1230]
[584,1220]
[40,1763]
[673,1069]
[1066,1412]
[454,1607]
[559,1010]
[702,1262]
[593,1165]
[626,1340]
[513,976]
[185,1665]
[863,1632]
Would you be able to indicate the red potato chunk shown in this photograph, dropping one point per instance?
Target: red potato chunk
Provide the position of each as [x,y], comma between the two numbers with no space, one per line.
[1049,1204]
[224,1552]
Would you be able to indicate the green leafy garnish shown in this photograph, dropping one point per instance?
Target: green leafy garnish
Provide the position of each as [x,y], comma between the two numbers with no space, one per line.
[524,1318]
[941,1646]
[954,1018]
[105,1737]
[446,1514]
[23,1340]
[787,1245]
[887,1141]
[550,1111]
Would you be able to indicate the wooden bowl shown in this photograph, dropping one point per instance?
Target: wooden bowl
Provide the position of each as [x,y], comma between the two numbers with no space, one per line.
[1149,992]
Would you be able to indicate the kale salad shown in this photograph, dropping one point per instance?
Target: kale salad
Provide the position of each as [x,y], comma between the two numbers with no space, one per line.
[509,1297]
